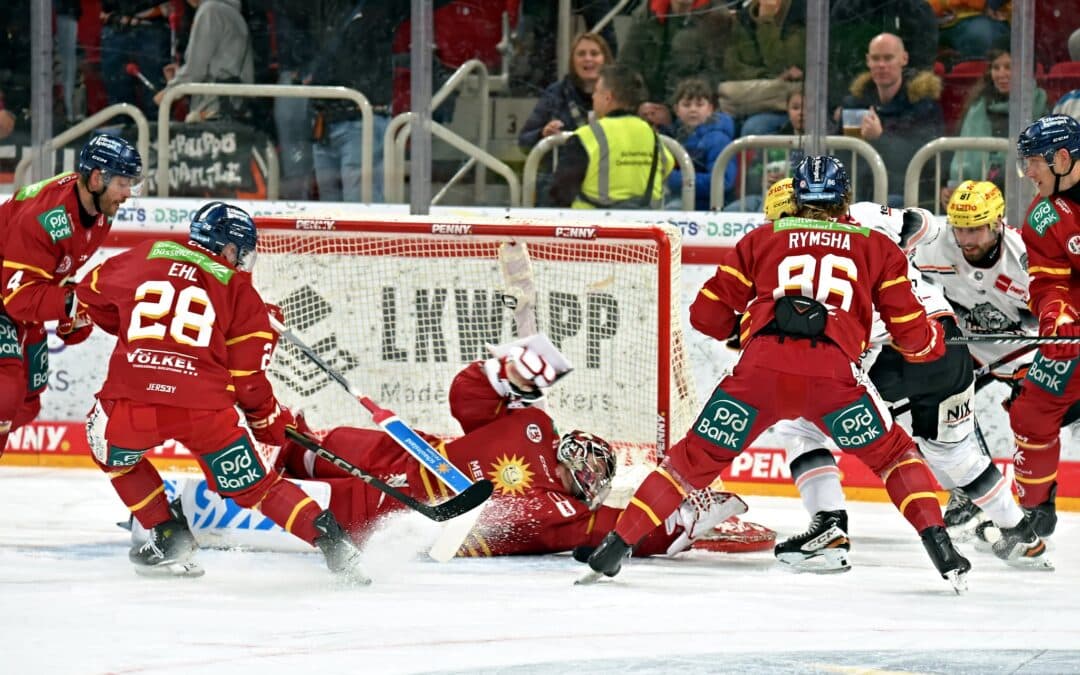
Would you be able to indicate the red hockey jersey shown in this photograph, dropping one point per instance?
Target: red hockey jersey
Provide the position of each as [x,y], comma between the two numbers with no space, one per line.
[192,331]
[530,511]
[42,243]
[1052,238]
[849,268]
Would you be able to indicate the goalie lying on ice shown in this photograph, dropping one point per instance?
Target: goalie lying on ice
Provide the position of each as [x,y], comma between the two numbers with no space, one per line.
[549,488]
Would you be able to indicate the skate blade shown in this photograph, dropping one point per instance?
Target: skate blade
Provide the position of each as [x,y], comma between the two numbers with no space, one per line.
[355,578]
[191,570]
[1040,564]
[592,577]
[964,531]
[829,561]
[958,581]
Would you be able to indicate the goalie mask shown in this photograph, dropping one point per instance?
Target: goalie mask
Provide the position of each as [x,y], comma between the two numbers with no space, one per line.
[591,463]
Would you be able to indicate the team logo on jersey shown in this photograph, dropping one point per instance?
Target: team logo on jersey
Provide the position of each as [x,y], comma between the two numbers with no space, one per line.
[985,317]
[64,266]
[56,223]
[725,421]
[1074,244]
[511,475]
[1042,216]
[533,433]
[857,425]
[235,468]
[1050,375]
[9,339]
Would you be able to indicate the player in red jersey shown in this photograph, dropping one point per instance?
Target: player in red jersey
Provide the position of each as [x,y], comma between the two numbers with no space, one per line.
[193,342]
[548,487]
[807,288]
[1049,155]
[47,231]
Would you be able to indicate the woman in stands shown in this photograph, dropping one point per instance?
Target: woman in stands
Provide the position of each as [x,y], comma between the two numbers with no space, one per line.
[566,104]
[986,113]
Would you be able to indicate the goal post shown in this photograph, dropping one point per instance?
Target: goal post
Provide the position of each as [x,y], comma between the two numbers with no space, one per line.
[400,306]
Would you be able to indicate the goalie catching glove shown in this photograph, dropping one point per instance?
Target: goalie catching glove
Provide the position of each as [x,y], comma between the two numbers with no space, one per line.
[524,368]
[699,513]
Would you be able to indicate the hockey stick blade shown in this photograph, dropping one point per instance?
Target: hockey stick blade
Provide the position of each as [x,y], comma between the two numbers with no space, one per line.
[473,496]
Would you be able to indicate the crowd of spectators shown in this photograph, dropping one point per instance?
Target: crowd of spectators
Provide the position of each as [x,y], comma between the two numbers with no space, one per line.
[713,71]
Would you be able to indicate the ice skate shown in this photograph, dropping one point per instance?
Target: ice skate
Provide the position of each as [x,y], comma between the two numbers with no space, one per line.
[168,549]
[607,559]
[1019,546]
[952,566]
[823,548]
[342,556]
[961,516]
[1044,516]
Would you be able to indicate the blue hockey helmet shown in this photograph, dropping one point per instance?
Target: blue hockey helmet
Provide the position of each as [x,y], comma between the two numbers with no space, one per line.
[113,156]
[1047,135]
[821,181]
[217,224]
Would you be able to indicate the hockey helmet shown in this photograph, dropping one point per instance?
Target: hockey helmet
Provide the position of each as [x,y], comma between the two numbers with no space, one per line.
[1047,135]
[113,156]
[974,204]
[821,181]
[217,224]
[780,200]
[591,463]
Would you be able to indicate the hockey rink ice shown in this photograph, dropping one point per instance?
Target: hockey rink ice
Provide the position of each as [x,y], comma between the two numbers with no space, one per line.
[70,603]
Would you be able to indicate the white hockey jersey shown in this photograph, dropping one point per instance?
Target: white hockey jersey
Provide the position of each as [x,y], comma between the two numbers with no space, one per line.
[986,300]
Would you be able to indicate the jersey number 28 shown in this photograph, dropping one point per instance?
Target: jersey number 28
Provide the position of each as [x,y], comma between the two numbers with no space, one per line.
[192,315]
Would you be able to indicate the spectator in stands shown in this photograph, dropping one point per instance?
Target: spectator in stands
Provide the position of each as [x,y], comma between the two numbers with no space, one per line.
[293,24]
[704,132]
[566,104]
[673,40]
[986,113]
[1069,103]
[15,71]
[904,112]
[218,50]
[533,66]
[133,31]
[968,29]
[768,40]
[629,173]
[853,23]
[356,52]
[777,162]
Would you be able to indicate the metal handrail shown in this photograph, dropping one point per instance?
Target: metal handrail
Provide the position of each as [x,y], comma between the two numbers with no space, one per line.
[142,138]
[609,17]
[394,144]
[855,145]
[532,166]
[367,134]
[934,149]
[476,153]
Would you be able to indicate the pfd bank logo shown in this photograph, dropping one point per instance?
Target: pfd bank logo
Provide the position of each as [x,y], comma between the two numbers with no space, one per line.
[1051,375]
[857,425]
[725,421]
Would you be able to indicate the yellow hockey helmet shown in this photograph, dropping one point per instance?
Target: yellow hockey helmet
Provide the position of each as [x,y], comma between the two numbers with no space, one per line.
[976,203]
[780,200]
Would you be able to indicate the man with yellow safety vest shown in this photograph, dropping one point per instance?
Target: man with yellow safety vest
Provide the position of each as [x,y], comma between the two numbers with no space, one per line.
[617,160]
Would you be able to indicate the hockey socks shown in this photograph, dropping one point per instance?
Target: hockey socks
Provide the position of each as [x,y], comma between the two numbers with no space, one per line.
[142,491]
[288,506]
[911,489]
[1035,469]
[657,497]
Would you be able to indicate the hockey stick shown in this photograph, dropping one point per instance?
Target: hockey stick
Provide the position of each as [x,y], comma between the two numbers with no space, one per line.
[984,374]
[1011,339]
[386,419]
[473,496]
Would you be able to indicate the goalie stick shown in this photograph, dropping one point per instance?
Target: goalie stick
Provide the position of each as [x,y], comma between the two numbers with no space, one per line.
[473,496]
[386,419]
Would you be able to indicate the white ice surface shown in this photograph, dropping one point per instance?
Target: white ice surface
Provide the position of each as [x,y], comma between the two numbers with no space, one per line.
[69,603]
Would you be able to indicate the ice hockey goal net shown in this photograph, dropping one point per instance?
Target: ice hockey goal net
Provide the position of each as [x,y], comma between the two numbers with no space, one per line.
[399,307]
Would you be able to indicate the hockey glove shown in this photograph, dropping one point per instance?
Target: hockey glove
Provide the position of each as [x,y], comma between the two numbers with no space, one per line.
[700,512]
[1059,320]
[270,429]
[934,350]
[76,326]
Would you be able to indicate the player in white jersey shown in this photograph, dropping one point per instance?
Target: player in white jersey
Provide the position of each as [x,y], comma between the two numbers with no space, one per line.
[941,396]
